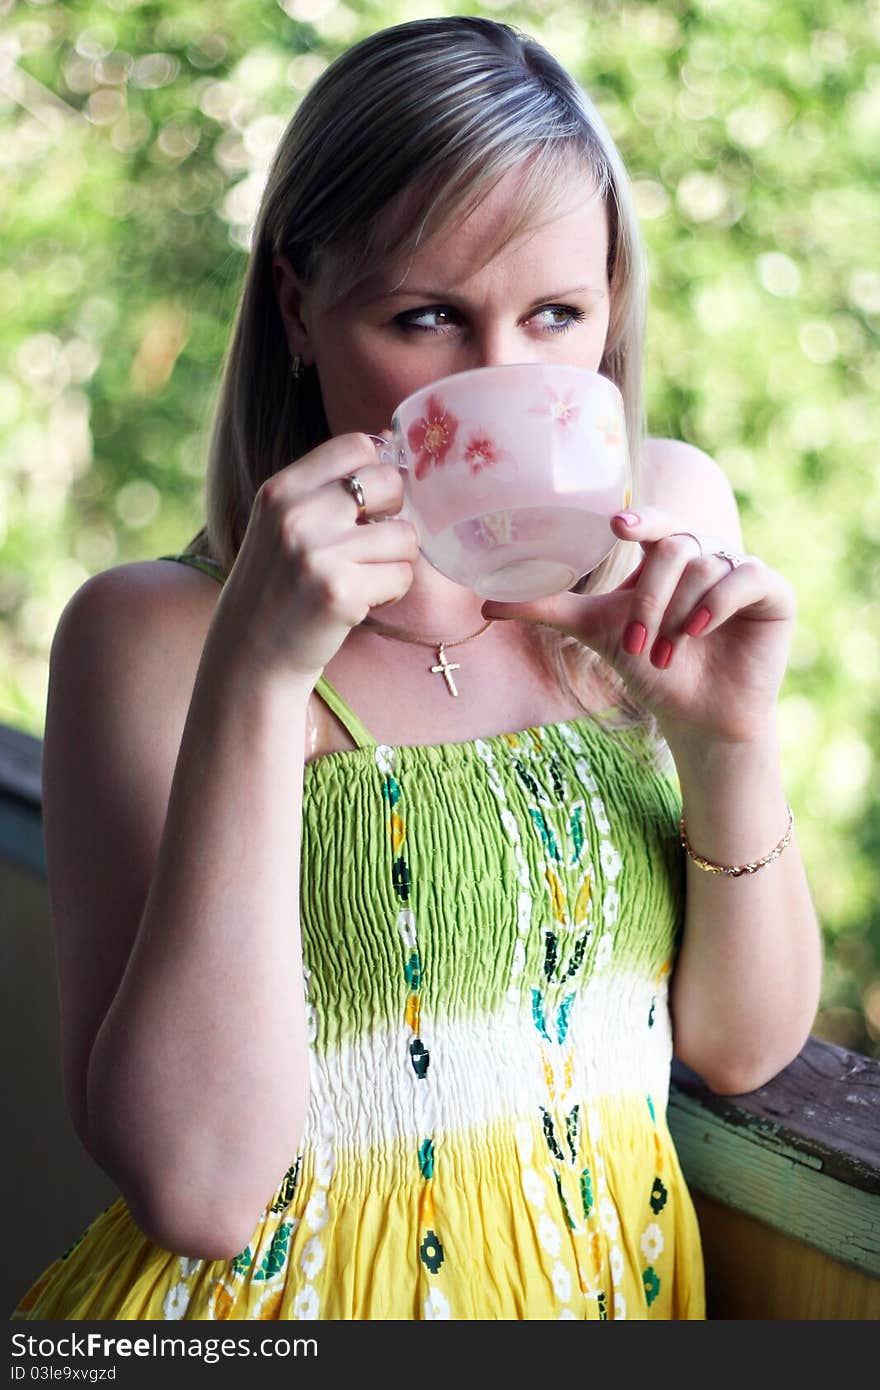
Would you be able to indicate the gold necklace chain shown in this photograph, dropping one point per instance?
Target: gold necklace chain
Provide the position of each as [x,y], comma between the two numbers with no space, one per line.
[443,667]
[385,630]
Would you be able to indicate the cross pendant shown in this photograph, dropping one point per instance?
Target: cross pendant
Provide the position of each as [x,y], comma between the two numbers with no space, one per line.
[446,668]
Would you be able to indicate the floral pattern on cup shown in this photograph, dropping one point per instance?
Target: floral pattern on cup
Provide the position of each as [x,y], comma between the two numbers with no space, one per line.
[431,437]
[487,462]
[480,452]
[560,406]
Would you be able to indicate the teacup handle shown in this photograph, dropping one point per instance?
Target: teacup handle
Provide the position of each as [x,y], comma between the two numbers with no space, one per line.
[386,454]
[385,450]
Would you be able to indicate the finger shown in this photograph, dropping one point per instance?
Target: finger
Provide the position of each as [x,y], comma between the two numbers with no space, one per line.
[390,539]
[369,566]
[382,489]
[666,560]
[595,619]
[336,458]
[632,579]
[332,511]
[378,585]
[654,523]
[752,591]
[693,595]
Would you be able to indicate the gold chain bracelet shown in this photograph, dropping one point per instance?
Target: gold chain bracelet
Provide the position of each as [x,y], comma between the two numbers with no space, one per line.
[736,871]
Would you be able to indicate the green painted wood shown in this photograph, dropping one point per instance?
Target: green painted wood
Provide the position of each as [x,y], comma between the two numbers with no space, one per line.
[801,1154]
[761,1175]
[826,1103]
[21,757]
[21,828]
[21,836]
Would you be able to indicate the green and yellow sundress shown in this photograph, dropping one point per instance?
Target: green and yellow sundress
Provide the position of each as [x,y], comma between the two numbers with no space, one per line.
[488,930]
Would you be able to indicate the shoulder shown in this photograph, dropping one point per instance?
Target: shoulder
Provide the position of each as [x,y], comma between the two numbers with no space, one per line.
[146,620]
[132,634]
[143,626]
[146,577]
[162,590]
[680,478]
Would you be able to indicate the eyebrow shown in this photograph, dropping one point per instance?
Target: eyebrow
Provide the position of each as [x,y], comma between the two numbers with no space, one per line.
[440,296]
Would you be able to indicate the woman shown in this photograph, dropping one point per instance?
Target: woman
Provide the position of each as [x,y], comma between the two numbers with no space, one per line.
[462,1114]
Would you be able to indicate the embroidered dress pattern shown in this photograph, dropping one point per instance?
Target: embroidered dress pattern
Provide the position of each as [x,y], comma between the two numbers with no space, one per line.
[488,932]
[430,1249]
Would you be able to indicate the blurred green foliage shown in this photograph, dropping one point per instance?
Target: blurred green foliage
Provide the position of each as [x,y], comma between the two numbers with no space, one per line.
[134,139]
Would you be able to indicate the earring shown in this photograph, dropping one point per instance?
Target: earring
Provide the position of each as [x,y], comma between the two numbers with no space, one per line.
[296,369]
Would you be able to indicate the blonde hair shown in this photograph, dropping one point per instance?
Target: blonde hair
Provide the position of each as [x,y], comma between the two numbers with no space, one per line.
[436,112]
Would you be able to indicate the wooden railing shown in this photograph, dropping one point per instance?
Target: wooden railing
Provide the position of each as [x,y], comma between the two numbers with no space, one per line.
[786,1180]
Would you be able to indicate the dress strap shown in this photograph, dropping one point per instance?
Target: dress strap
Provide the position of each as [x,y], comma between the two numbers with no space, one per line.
[200,562]
[344,713]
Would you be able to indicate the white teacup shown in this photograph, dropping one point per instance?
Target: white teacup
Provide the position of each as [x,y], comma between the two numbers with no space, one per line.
[512,474]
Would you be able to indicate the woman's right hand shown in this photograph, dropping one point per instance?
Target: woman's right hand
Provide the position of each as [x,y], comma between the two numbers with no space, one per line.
[307,571]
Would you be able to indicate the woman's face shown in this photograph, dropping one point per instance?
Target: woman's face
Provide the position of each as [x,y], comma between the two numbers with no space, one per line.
[542,298]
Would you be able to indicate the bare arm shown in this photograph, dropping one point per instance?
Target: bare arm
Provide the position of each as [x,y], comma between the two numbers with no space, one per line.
[746,985]
[173,806]
[202,1045]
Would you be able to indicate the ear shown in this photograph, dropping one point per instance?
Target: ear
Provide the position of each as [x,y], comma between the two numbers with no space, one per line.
[292,301]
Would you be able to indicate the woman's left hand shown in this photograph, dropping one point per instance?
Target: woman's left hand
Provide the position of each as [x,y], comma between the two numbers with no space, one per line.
[700,641]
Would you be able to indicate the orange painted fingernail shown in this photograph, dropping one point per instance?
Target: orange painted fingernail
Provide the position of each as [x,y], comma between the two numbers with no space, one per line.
[634,638]
[701,619]
[662,652]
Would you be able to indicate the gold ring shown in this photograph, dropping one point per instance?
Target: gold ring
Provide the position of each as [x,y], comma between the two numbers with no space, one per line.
[352,485]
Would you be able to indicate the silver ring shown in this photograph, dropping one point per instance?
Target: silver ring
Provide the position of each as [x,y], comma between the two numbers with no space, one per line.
[693,538]
[733,560]
[352,485]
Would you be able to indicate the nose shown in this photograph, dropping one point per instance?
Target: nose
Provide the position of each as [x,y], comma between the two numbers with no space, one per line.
[501,345]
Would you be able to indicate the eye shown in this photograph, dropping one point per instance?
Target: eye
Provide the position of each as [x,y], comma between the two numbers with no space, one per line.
[432,318]
[559,318]
[443,319]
